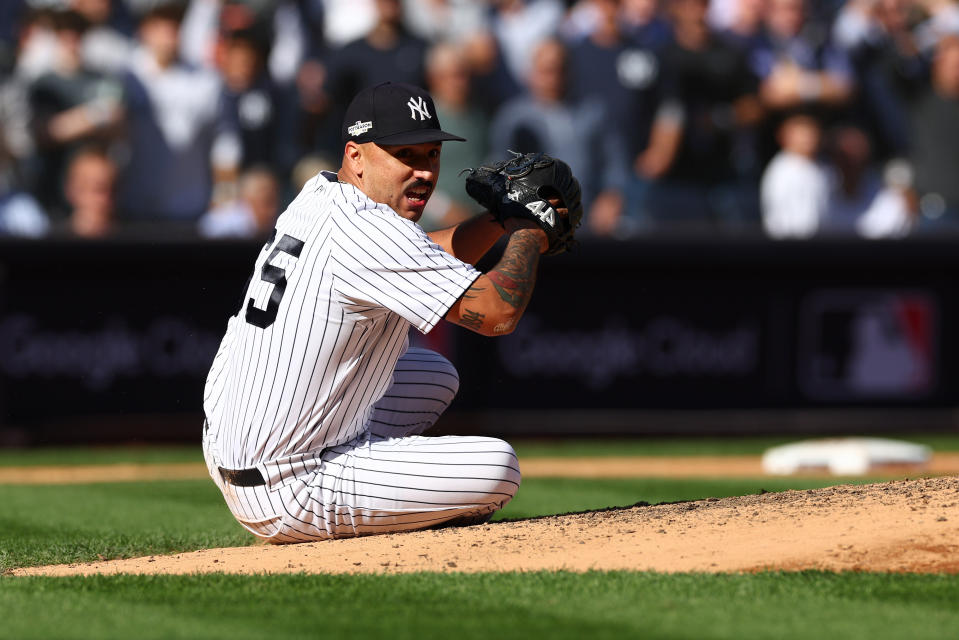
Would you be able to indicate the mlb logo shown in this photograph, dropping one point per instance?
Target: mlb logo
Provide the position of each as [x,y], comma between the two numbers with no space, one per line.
[868,345]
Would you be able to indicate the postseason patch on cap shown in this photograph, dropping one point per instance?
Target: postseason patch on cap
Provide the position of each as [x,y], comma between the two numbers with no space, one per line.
[359,128]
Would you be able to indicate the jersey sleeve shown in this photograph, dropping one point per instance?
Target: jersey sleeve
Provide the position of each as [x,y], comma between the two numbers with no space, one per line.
[388,262]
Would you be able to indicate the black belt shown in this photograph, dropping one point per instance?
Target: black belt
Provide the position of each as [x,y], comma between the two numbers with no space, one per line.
[242,477]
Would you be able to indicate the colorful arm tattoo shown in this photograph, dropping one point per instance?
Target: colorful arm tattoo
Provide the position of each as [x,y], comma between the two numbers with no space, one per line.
[514,276]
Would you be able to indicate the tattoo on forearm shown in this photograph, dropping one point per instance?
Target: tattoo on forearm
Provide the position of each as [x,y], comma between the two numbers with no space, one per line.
[514,276]
[504,327]
[472,319]
[473,292]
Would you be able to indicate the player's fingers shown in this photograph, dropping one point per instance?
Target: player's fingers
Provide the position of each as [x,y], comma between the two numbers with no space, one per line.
[557,204]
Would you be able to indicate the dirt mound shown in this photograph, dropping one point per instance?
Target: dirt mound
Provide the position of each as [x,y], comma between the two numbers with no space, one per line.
[905,526]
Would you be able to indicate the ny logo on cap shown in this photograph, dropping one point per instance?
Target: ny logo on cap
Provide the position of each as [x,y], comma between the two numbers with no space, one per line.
[418,105]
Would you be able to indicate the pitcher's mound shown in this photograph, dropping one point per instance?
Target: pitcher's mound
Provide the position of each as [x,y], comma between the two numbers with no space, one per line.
[910,525]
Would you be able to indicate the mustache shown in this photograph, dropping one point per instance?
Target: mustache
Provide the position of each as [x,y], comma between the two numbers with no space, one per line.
[420,183]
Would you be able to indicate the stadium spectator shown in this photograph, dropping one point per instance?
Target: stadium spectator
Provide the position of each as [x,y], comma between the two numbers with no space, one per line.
[107,42]
[466,24]
[16,143]
[935,141]
[71,106]
[260,48]
[795,186]
[493,83]
[607,63]
[200,26]
[643,24]
[744,23]
[894,213]
[859,201]
[38,48]
[448,81]
[798,67]
[252,100]
[387,53]
[721,14]
[876,35]
[347,20]
[519,26]
[180,142]
[20,214]
[942,21]
[576,130]
[91,192]
[251,214]
[11,16]
[454,21]
[708,98]
[288,25]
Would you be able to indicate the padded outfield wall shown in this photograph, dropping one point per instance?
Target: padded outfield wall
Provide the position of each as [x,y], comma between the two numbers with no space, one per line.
[111,341]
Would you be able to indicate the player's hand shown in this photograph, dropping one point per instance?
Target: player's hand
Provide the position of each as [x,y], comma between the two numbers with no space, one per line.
[535,186]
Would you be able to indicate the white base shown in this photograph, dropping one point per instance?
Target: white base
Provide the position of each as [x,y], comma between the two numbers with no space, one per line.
[844,456]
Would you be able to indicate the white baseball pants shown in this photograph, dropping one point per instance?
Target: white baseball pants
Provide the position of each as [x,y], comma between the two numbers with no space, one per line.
[390,478]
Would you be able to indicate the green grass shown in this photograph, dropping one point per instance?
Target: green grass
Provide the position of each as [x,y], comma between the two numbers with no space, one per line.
[57,524]
[554,605]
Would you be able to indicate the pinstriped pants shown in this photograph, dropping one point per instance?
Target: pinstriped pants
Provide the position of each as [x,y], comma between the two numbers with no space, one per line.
[390,478]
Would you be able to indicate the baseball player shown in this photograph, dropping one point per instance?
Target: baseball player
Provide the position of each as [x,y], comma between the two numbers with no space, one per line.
[315,401]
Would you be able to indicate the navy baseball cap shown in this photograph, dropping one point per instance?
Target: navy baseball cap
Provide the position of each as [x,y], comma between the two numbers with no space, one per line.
[393,113]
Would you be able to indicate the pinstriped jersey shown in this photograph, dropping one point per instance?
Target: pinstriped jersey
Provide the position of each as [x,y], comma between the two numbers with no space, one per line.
[325,318]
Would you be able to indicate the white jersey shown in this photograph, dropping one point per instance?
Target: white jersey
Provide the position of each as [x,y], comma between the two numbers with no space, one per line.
[325,319]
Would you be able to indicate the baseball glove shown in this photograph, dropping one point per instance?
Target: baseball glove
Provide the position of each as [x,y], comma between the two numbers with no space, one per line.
[522,187]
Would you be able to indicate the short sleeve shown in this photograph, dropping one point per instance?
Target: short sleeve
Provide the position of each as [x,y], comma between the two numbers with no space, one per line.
[386,261]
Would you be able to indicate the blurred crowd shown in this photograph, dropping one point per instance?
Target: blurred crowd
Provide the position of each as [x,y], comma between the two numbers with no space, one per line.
[800,119]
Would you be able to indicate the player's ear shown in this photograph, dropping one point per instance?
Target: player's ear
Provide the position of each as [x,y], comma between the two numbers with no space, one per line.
[353,155]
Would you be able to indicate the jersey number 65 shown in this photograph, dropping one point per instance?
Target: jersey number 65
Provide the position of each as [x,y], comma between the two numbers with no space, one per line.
[276,276]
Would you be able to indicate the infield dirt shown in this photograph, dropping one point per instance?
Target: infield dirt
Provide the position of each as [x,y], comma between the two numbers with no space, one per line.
[900,526]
